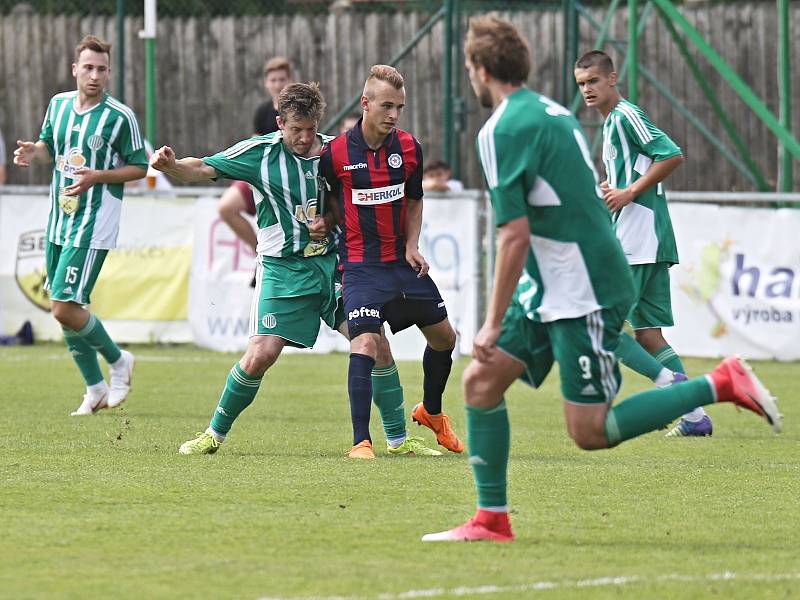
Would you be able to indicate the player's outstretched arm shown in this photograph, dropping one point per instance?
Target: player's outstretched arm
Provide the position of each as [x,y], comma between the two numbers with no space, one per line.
[187,170]
[90,177]
[28,153]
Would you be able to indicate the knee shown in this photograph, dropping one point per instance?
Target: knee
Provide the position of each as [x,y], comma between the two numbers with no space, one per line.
[477,386]
[589,439]
[257,360]
[59,311]
[445,339]
[366,344]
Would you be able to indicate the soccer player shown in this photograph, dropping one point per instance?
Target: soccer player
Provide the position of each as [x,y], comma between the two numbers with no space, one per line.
[296,265]
[638,157]
[85,131]
[374,173]
[562,286]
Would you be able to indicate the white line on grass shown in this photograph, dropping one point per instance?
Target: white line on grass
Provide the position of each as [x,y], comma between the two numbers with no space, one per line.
[541,586]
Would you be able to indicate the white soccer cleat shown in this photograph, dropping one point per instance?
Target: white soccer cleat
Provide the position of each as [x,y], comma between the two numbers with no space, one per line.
[120,379]
[91,404]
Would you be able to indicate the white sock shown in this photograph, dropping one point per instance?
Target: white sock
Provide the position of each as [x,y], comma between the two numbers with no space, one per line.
[494,509]
[664,378]
[98,389]
[396,442]
[217,436]
[695,416]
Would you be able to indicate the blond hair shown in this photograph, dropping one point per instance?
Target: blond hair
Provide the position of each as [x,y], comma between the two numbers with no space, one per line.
[278,63]
[385,73]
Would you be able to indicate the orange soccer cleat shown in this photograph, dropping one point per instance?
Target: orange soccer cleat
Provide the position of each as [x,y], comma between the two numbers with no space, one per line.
[440,425]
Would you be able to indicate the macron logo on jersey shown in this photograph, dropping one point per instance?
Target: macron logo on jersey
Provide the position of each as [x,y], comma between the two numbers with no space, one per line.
[355,166]
[381,195]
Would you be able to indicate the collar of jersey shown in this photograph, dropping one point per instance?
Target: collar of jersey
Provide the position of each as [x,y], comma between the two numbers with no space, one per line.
[358,137]
[88,110]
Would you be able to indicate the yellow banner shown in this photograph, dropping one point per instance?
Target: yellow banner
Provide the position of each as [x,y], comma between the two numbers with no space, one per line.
[144,284]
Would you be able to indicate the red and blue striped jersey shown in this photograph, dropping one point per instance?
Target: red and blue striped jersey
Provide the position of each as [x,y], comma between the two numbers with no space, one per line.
[371,187]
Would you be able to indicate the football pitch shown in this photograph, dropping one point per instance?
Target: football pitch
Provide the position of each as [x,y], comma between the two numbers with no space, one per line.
[103,506]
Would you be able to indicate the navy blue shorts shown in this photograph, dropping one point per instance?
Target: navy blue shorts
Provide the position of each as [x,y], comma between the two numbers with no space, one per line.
[392,293]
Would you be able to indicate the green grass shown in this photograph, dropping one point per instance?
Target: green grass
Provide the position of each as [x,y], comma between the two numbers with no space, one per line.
[104,506]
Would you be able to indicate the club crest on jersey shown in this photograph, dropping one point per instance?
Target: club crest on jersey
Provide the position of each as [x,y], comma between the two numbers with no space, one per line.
[609,152]
[95,142]
[380,195]
[269,321]
[70,163]
[395,161]
[29,272]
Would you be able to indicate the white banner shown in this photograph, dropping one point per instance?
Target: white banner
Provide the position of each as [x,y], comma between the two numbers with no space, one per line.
[737,289]
[142,291]
[222,268]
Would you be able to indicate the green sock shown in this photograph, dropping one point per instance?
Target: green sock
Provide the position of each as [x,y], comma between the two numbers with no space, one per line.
[489,437]
[240,390]
[633,356]
[647,411]
[387,393]
[84,356]
[667,357]
[95,335]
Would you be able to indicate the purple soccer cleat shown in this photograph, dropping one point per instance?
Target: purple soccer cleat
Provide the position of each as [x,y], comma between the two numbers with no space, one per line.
[684,428]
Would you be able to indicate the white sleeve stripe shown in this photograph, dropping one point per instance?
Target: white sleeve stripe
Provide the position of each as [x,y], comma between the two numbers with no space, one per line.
[242,147]
[133,124]
[637,123]
[626,154]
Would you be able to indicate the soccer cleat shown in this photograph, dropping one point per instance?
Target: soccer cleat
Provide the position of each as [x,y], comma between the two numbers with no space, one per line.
[412,446]
[474,530]
[686,428]
[120,385]
[204,443]
[361,450]
[91,404]
[678,377]
[440,425]
[735,382]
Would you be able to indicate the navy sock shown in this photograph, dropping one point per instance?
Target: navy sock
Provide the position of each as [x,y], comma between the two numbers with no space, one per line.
[436,365]
[359,387]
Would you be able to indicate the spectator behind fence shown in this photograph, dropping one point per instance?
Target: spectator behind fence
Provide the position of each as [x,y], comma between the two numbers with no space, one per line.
[238,198]
[2,159]
[436,178]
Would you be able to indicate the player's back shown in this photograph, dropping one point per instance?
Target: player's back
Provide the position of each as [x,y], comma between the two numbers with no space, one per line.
[533,150]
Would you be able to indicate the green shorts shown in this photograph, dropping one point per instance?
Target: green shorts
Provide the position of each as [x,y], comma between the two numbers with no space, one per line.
[583,348]
[339,316]
[653,304]
[291,296]
[72,272]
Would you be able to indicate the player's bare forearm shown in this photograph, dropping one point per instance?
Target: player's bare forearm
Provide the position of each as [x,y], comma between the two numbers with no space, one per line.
[513,243]
[121,175]
[657,173]
[413,222]
[192,170]
[28,153]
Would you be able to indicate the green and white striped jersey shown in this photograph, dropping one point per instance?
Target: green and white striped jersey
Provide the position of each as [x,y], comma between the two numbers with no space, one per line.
[537,165]
[97,138]
[285,190]
[631,143]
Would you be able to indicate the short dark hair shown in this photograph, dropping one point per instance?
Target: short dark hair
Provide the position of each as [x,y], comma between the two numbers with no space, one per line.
[435,165]
[301,101]
[498,46]
[596,58]
[94,43]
